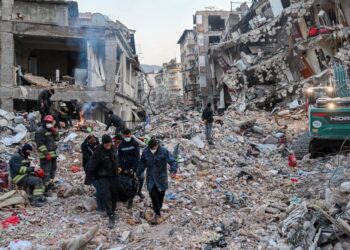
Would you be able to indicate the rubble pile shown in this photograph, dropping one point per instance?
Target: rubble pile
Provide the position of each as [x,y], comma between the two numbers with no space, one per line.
[271,62]
[237,194]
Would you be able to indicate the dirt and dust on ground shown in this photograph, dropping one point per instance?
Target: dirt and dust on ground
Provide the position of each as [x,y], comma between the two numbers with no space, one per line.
[244,192]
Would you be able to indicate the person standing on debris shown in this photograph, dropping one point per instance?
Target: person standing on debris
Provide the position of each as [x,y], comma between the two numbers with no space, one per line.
[207,117]
[116,121]
[46,137]
[129,156]
[55,112]
[24,175]
[87,148]
[103,167]
[64,115]
[45,102]
[75,108]
[155,158]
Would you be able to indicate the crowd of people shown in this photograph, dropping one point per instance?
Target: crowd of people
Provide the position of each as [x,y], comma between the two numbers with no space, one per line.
[115,167]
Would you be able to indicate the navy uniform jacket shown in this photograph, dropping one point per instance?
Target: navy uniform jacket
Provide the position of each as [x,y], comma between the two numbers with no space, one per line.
[156,164]
[129,154]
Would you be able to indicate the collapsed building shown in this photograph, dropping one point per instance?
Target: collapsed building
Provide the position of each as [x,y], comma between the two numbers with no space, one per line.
[82,56]
[278,48]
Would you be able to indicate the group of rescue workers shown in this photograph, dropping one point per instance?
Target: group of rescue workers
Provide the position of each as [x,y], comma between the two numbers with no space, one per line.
[114,166]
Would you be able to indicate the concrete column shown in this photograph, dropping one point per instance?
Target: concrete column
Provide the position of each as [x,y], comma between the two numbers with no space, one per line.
[7,70]
[110,63]
[6,10]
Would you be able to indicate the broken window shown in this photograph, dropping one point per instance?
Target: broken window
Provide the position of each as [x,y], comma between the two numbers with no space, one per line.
[214,40]
[216,23]
[44,59]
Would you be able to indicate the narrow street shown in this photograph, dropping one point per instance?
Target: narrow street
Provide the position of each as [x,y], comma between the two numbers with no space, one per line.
[241,121]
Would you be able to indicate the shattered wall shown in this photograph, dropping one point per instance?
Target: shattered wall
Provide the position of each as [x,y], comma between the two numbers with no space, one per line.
[266,64]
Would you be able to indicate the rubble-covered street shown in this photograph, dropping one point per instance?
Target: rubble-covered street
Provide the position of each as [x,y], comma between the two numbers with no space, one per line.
[238,194]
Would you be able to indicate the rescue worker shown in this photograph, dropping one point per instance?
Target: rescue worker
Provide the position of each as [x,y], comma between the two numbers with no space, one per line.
[155,159]
[129,156]
[45,138]
[45,102]
[87,148]
[103,167]
[116,121]
[24,175]
[207,117]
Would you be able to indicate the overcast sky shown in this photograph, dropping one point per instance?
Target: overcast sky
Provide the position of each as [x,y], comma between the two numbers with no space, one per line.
[158,23]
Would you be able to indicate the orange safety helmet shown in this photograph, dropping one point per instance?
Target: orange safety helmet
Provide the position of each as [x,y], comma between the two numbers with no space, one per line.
[48,118]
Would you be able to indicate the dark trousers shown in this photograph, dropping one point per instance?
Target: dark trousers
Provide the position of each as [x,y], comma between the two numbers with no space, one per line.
[35,184]
[49,168]
[109,193]
[44,112]
[157,198]
[98,195]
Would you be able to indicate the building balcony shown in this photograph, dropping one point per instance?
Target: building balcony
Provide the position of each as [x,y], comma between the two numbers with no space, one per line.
[191,43]
[191,57]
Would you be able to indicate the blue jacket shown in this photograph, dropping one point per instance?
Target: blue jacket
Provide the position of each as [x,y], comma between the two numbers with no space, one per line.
[129,154]
[156,164]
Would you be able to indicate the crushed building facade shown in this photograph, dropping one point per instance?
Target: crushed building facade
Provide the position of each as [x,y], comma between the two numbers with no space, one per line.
[81,55]
[277,49]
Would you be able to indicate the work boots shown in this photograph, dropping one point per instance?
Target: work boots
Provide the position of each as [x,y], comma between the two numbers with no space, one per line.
[36,202]
[111,222]
[156,220]
[130,202]
[140,194]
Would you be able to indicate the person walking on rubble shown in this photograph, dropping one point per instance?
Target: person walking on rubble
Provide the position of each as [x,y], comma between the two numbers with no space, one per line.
[103,167]
[207,117]
[155,159]
[45,138]
[129,156]
[24,175]
[87,148]
[116,121]
[45,102]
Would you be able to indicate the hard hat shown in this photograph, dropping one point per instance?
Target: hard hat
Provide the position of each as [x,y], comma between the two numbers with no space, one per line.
[62,104]
[48,118]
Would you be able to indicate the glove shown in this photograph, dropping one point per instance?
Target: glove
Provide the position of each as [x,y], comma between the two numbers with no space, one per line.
[48,157]
[36,168]
[39,173]
[53,130]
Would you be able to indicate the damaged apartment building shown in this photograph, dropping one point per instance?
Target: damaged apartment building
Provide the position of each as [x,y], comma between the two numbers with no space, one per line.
[277,49]
[84,56]
[194,45]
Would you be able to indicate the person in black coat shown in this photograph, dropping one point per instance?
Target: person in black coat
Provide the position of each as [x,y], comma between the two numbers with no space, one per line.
[207,117]
[116,121]
[45,102]
[129,156]
[87,148]
[103,167]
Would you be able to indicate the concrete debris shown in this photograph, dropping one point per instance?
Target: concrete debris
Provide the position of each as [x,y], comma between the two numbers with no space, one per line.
[238,193]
